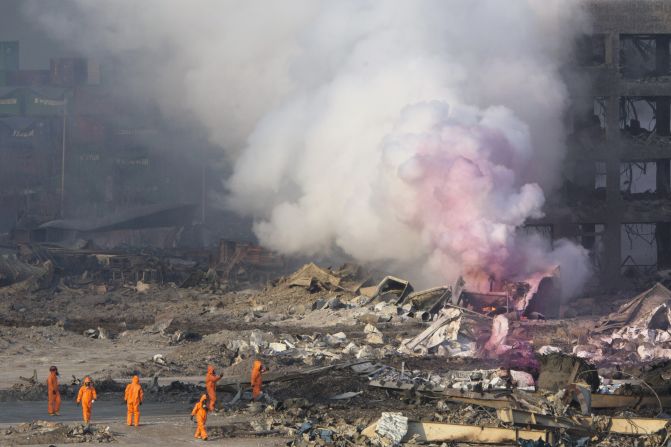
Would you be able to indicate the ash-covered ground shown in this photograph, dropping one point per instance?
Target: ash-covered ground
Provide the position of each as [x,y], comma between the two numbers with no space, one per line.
[336,359]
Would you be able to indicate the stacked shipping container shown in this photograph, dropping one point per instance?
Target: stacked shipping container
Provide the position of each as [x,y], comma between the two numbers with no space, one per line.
[114,154]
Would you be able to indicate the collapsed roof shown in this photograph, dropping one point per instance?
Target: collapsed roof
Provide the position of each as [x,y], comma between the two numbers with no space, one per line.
[650,309]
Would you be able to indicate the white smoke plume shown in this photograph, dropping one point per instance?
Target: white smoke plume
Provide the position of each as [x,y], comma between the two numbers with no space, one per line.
[414,134]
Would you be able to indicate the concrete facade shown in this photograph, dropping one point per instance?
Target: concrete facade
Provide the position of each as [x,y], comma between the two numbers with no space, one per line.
[628,70]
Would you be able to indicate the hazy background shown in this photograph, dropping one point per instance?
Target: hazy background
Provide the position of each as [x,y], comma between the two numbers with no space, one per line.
[417,136]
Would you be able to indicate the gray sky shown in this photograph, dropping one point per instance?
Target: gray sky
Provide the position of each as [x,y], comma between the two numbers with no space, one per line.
[36,48]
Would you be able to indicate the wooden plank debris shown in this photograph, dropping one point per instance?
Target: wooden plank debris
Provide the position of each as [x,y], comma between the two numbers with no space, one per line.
[531,419]
[632,426]
[616,425]
[441,432]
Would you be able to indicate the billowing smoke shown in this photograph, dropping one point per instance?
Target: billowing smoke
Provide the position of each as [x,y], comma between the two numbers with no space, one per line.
[413,134]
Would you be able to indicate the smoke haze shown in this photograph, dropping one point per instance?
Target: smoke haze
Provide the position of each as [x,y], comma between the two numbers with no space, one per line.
[417,135]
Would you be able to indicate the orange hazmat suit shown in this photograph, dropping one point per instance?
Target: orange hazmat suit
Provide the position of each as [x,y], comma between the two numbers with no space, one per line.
[54,394]
[86,396]
[211,380]
[200,412]
[133,397]
[257,379]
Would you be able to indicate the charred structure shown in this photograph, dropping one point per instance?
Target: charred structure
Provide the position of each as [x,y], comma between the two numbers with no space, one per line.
[615,197]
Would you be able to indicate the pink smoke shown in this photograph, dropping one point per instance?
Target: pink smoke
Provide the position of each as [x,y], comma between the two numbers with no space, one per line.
[464,171]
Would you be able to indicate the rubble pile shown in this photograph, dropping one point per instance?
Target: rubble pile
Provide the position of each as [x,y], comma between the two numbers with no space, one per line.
[44,432]
[637,332]
[353,357]
[506,415]
[24,391]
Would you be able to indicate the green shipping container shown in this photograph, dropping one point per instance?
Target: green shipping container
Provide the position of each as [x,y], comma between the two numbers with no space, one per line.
[10,101]
[9,56]
[46,101]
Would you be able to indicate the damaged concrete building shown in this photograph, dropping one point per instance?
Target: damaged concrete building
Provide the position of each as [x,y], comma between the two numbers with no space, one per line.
[615,198]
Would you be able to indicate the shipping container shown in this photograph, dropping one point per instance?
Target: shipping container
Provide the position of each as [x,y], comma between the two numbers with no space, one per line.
[11,101]
[93,72]
[23,131]
[49,101]
[3,78]
[88,129]
[91,101]
[28,78]
[69,71]
[23,167]
[88,155]
[9,56]
[133,128]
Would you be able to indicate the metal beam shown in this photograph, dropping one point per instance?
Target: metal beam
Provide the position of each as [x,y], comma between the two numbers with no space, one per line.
[507,399]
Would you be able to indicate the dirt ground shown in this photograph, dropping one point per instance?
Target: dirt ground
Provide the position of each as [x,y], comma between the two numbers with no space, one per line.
[48,328]
[175,431]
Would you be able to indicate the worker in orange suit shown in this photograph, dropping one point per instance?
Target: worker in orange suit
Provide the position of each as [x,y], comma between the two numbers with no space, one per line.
[211,379]
[257,380]
[54,392]
[86,396]
[200,413]
[134,397]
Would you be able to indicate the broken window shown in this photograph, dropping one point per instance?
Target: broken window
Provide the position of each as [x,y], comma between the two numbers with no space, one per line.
[646,177]
[591,50]
[600,177]
[591,237]
[663,237]
[589,117]
[644,55]
[663,177]
[599,108]
[639,249]
[638,177]
[542,231]
[646,119]
[584,180]
[637,114]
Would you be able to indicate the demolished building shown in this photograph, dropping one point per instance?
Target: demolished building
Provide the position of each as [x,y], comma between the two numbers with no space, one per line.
[615,198]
